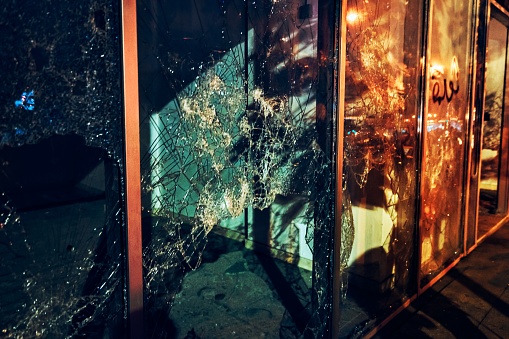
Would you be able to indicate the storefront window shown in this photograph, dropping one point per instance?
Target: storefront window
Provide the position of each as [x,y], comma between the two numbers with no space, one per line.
[61,266]
[381,152]
[445,136]
[235,180]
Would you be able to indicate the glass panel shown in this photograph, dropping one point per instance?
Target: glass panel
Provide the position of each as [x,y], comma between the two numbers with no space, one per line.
[503,175]
[444,145]
[379,199]
[61,270]
[476,123]
[231,166]
[491,209]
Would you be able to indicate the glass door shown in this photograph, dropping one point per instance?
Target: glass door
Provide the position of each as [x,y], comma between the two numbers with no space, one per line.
[493,191]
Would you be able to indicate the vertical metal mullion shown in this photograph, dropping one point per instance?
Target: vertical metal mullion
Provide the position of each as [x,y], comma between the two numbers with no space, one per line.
[421,136]
[480,73]
[326,266]
[339,48]
[132,169]
[246,93]
[472,150]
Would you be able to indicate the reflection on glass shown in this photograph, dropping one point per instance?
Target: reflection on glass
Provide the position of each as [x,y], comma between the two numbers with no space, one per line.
[60,217]
[491,208]
[230,166]
[444,145]
[381,85]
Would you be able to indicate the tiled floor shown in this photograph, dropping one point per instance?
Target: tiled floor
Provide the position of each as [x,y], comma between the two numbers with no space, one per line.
[471,301]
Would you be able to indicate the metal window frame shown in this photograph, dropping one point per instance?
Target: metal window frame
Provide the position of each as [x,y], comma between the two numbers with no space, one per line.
[132,169]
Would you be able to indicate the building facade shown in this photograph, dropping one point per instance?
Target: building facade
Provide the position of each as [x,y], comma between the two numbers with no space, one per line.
[289,168]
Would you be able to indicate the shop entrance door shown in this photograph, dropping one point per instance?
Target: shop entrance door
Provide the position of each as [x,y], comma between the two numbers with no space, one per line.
[493,187]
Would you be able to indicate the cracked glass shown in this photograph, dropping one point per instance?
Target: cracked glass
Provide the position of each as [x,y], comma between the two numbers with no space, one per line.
[445,137]
[61,267]
[237,197]
[381,152]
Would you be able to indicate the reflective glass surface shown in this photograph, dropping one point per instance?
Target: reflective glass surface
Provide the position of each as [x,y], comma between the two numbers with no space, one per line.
[382,93]
[445,136]
[493,170]
[61,267]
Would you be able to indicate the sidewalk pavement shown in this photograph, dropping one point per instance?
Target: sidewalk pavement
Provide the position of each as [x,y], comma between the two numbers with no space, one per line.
[470,301]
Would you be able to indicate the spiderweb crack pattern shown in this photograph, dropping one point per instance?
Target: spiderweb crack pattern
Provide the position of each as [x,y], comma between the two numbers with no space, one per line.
[238,133]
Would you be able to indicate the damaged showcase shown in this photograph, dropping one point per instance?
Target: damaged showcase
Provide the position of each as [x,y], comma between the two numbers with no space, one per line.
[61,220]
[307,167]
[237,186]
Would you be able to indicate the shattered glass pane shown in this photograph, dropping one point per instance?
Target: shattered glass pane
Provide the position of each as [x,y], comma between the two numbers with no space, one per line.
[61,273]
[379,182]
[445,137]
[236,186]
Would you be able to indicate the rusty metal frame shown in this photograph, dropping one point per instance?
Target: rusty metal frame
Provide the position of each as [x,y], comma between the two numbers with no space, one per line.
[132,169]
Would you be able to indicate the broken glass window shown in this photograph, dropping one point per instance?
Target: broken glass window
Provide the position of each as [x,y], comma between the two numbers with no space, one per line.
[60,155]
[444,145]
[236,184]
[379,182]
